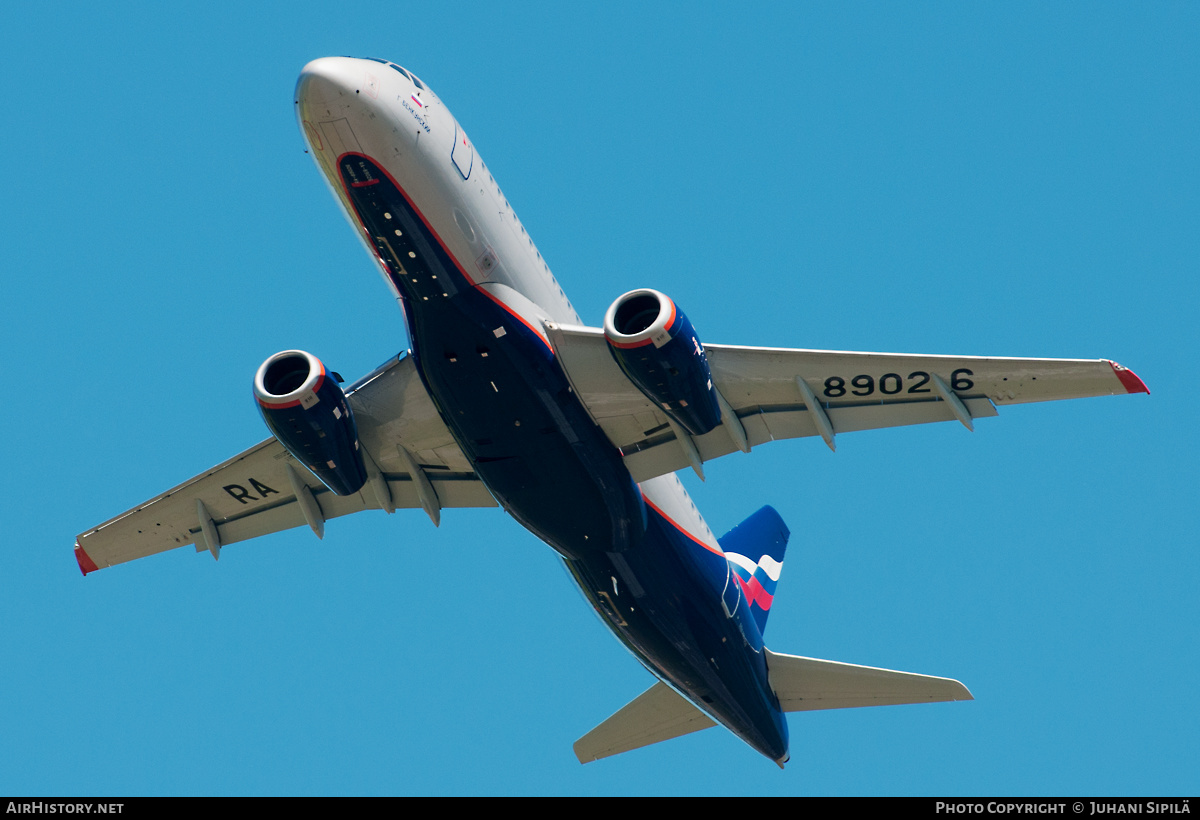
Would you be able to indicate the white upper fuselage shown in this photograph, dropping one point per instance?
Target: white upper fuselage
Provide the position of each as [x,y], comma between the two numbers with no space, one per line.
[362,106]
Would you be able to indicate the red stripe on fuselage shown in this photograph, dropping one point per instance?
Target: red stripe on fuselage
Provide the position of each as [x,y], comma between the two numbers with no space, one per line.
[429,227]
[512,313]
[676,525]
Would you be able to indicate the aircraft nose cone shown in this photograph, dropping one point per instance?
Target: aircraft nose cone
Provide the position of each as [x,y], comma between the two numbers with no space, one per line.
[328,80]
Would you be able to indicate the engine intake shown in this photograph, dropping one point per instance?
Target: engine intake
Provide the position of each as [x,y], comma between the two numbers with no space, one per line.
[657,348]
[307,411]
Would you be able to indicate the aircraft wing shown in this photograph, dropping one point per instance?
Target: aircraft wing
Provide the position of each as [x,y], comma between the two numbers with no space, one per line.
[412,461]
[777,393]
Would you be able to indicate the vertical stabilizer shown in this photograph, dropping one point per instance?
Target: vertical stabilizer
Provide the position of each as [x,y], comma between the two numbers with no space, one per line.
[754,550]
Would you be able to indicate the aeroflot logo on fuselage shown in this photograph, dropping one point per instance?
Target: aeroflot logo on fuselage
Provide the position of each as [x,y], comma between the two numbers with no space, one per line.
[420,120]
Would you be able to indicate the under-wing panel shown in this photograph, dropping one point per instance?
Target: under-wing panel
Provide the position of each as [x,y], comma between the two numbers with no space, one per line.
[252,493]
[850,391]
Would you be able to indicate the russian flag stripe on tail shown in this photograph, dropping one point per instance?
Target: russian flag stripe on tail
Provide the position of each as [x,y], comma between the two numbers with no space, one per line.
[754,550]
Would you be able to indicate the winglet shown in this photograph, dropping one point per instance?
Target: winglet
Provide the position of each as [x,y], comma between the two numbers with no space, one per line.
[86,564]
[1129,379]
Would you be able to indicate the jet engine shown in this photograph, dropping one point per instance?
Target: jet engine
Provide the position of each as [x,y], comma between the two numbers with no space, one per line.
[657,348]
[307,411]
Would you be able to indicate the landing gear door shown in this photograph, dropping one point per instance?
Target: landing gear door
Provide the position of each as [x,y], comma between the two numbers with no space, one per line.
[463,153]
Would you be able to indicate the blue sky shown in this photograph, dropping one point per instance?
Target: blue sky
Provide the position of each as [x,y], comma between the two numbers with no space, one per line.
[940,178]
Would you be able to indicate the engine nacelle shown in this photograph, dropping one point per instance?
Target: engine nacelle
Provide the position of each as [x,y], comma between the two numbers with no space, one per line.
[657,348]
[308,412]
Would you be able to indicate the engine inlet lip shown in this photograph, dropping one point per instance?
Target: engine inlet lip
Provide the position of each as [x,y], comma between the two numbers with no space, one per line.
[275,383]
[630,312]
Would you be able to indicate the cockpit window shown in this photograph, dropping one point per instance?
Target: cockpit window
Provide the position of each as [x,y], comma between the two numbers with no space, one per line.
[403,72]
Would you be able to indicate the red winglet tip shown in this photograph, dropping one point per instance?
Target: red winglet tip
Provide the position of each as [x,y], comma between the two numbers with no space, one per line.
[1130,379]
[86,564]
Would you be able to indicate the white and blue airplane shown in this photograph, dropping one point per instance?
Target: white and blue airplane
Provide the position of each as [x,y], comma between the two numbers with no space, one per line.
[507,398]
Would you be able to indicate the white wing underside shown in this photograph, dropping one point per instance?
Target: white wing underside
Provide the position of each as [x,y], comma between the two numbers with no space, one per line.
[761,386]
[251,494]
[414,461]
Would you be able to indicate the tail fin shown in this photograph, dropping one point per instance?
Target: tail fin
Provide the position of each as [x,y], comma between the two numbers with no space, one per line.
[754,550]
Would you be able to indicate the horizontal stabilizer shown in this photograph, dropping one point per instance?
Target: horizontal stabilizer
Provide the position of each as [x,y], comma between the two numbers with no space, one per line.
[806,684]
[656,714]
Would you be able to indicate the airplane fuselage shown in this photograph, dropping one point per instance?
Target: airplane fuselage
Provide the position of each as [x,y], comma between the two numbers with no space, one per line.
[476,295]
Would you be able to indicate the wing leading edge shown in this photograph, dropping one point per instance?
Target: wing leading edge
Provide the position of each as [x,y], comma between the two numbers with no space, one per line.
[777,393]
[412,461]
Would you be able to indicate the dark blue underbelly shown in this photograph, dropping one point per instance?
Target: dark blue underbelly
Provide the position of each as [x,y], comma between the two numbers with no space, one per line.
[499,387]
[510,408]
